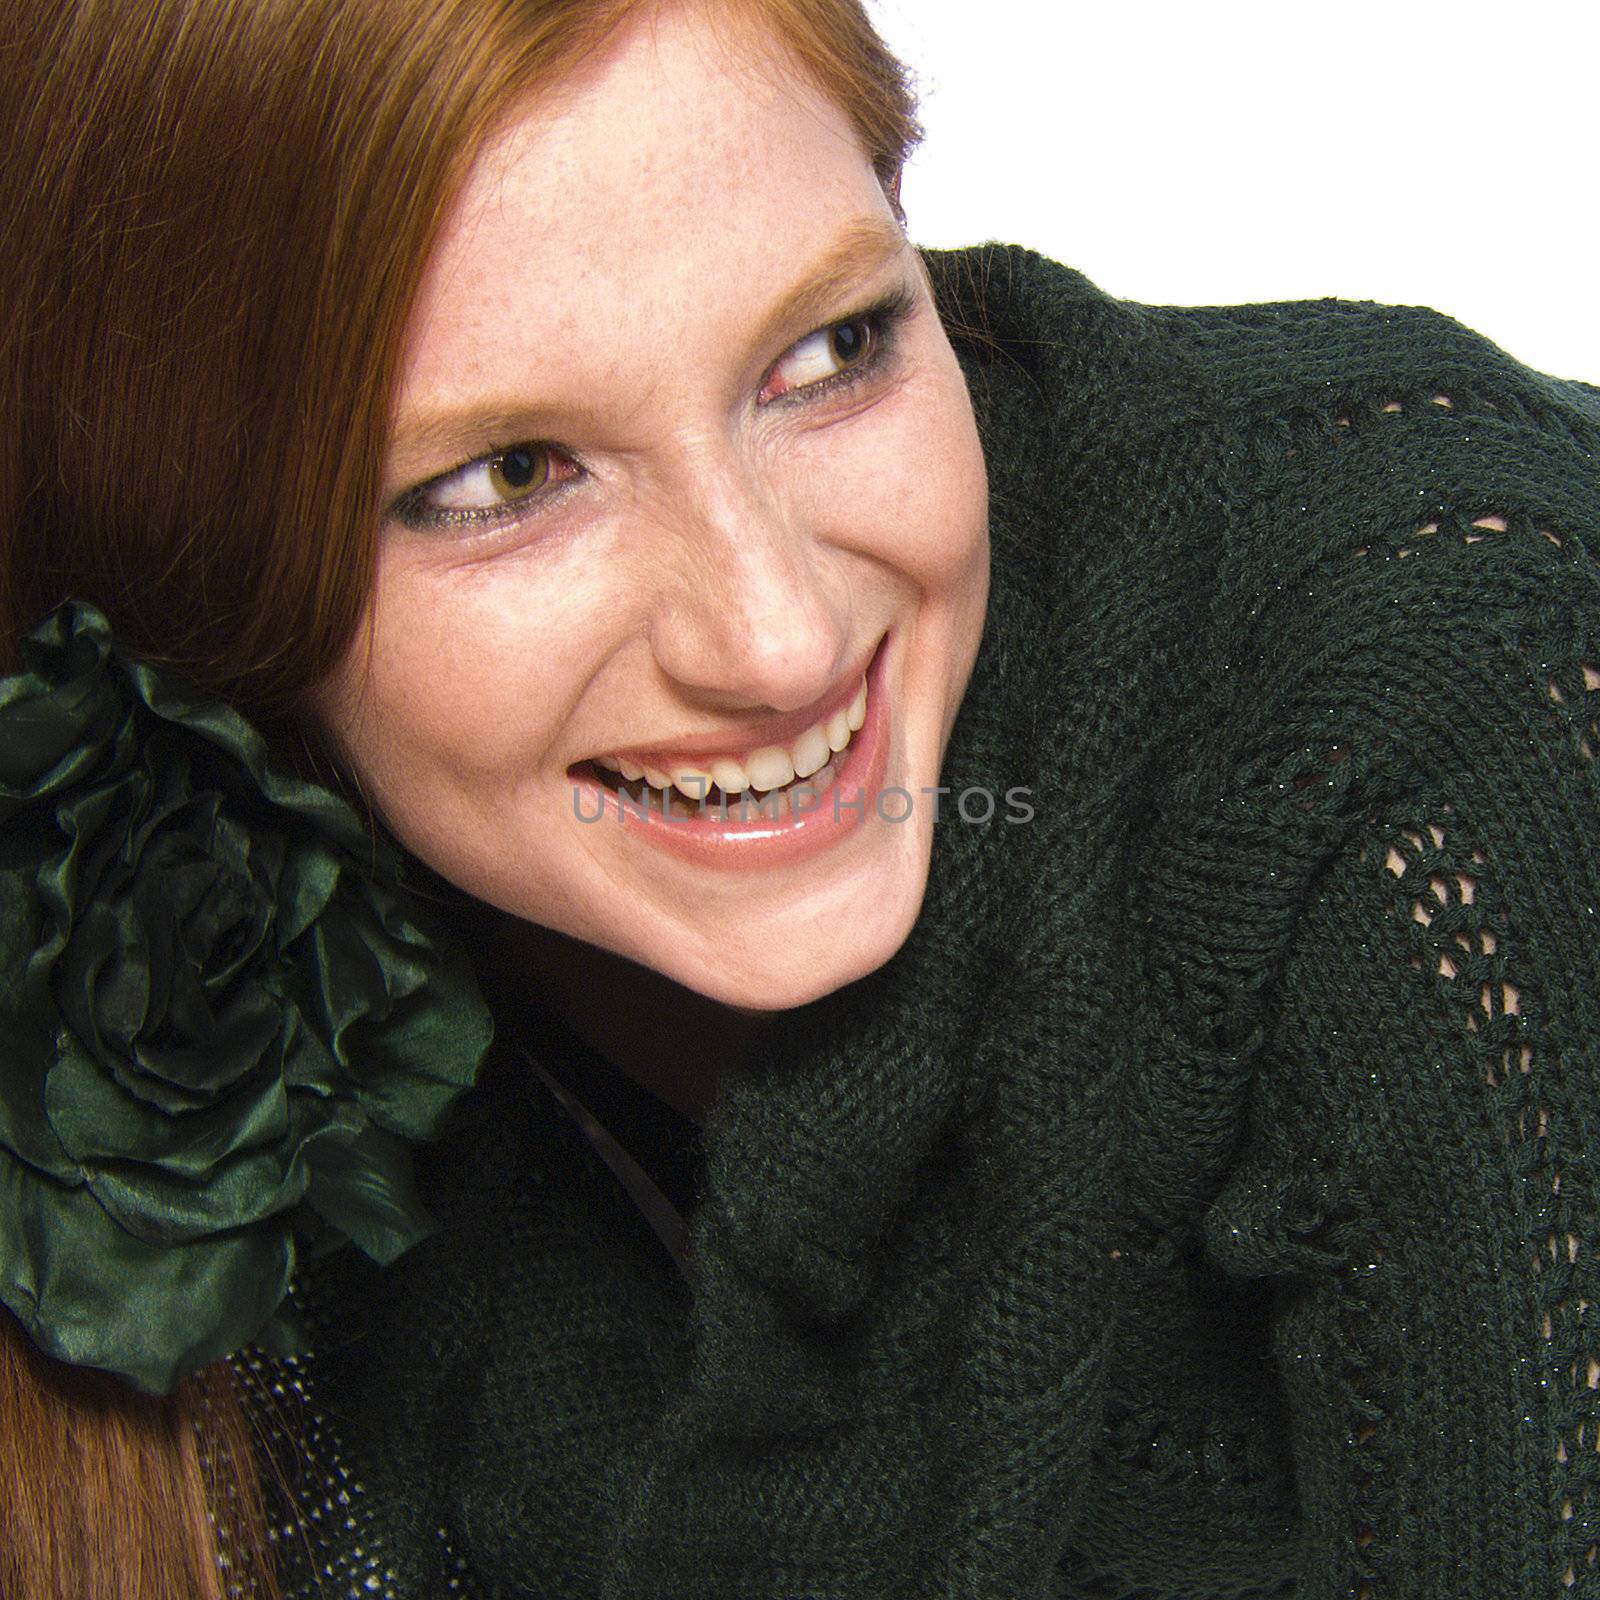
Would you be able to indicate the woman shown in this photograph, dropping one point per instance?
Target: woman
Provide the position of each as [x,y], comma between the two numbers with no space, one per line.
[1133,981]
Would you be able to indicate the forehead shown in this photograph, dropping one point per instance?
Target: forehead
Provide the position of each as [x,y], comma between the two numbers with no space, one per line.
[687,156]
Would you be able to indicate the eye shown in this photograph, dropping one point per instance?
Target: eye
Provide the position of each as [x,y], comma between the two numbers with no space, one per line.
[488,488]
[828,353]
[512,474]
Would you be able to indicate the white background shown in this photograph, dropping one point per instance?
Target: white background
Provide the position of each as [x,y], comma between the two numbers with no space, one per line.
[1412,151]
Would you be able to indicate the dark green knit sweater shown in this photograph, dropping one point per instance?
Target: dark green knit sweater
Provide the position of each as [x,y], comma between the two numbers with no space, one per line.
[1205,1201]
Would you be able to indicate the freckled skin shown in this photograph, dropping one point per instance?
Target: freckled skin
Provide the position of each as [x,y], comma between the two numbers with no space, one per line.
[720,557]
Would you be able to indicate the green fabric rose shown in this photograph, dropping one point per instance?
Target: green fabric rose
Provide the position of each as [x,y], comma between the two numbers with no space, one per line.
[222,1015]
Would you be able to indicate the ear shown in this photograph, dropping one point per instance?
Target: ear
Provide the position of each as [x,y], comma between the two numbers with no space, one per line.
[892,189]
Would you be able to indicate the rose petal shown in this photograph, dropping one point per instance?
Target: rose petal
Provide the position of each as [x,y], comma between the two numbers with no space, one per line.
[97,1122]
[91,1294]
[323,812]
[402,1014]
[152,1205]
[367,1190]
[58,725]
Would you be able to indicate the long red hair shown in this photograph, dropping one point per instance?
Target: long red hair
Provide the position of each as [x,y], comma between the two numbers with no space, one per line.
[215,216]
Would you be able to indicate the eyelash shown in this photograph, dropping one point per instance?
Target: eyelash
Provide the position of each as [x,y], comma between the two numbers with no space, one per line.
[883,320]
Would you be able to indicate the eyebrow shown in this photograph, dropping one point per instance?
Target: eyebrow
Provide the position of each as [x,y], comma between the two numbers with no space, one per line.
[863,248]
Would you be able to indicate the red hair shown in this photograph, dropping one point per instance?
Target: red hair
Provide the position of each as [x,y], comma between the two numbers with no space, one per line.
[216,215]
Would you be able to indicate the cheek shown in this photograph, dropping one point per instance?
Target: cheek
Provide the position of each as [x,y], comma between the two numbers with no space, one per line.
[336,706]
[435,701]
[932,489]
[351,711]
[440,738]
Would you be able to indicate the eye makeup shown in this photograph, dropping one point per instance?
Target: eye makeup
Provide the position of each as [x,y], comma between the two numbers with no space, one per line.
[867,340]
[416,510]
[880,322]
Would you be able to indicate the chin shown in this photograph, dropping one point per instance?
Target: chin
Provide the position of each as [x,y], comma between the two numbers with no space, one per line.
[785,960]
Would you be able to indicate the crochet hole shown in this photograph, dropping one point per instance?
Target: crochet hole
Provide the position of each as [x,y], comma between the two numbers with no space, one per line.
[1396,862]
[1591,682]
[1544,1124]
[1330,757]
[1553,1243]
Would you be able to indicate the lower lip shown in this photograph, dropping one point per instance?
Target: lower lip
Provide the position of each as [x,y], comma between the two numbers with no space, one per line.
[761,842]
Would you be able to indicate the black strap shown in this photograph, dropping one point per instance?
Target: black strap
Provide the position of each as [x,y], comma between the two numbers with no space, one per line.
[658,1211]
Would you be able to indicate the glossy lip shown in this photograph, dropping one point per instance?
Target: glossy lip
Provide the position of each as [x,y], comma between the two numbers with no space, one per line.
[738,744]
[761,842]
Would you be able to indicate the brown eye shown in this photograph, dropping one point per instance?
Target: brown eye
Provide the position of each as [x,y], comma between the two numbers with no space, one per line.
[828,353]
[511,483]
[520,471]
[850,341]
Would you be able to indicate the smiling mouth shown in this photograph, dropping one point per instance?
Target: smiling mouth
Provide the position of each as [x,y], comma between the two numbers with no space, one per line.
[679,803]
[810,760]
[762,779]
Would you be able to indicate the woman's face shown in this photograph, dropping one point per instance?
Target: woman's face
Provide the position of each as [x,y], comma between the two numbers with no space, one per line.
[720,470]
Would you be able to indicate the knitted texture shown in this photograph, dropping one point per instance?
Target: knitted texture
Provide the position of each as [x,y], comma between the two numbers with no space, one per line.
[1201,1204]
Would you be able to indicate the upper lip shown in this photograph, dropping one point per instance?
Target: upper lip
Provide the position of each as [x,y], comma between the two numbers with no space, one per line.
[741,740]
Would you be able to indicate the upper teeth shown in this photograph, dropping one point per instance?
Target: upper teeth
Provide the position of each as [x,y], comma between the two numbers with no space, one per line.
[770,767]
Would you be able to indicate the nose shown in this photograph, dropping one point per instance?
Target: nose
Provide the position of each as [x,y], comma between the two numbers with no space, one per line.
[753,613]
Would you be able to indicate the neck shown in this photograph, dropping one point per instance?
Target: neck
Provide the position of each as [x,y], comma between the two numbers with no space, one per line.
[670,1040]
